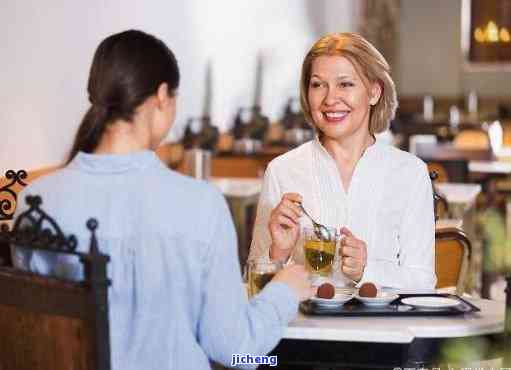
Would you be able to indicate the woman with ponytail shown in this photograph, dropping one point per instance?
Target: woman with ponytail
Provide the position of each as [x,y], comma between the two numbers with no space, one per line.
[170,238]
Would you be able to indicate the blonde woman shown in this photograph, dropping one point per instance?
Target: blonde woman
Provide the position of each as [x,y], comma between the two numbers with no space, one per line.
[379,197]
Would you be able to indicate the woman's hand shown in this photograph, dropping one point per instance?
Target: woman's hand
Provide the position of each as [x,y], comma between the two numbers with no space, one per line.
[284,226]
[353,255]
[297,278]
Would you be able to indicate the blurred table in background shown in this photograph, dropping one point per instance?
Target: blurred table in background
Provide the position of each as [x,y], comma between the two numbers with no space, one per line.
[454,160]
[242,195]
[245,165]
[448,152]
[439,126]
[490,167]
[448,223]
[460,196]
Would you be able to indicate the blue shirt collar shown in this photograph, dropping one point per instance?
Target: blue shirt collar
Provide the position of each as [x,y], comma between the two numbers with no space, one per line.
[114,163]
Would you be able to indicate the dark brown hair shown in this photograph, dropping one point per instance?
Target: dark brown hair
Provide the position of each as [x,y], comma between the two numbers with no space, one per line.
[127,68]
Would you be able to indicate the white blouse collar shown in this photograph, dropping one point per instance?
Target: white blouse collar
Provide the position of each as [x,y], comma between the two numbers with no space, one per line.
[319,148]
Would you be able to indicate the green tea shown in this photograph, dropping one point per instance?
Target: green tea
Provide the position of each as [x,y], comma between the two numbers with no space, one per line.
[257,281]
[319,256]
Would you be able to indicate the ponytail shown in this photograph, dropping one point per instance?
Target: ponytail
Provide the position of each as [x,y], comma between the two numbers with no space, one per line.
[127,68]
[90,131]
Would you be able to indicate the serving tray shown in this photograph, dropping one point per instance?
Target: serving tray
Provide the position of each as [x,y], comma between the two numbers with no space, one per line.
[396,308]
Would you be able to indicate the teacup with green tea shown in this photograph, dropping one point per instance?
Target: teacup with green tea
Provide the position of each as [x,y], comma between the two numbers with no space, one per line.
[319,253]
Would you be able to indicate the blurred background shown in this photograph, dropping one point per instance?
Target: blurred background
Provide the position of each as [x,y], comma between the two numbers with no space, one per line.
[238,100]
[235,55]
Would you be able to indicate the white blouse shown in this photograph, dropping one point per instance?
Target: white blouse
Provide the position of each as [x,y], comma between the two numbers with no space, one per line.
[389,205]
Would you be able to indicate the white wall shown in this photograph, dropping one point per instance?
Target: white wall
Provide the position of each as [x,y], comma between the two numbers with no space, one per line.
[429,53]
[430,59]
[47,48]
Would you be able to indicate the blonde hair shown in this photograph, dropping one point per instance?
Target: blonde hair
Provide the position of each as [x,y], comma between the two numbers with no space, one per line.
[369,64]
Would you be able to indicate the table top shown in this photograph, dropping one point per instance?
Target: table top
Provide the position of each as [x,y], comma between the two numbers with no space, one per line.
[490,167]
[448,152]
[449,223]
[466,118]
[489,320]
[238,187]
[460,193]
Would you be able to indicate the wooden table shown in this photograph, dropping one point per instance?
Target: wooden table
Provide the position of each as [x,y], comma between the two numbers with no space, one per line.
[454,160]
[439,126]
[390,342]
[448,152]
[246,166]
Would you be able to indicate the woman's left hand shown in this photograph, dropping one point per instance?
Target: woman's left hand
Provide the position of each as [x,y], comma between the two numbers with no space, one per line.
[353,255]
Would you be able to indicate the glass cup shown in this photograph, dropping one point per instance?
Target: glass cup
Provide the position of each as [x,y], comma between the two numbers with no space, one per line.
[319,254]
[260,273]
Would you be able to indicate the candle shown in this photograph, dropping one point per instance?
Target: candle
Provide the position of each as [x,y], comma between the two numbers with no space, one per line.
[472,102]
[454,115]
[428,108]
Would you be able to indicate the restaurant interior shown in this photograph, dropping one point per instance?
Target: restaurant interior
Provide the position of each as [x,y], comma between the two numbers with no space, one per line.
[239,109]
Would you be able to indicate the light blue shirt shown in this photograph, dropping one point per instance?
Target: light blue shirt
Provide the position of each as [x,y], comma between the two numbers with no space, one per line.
[177,299]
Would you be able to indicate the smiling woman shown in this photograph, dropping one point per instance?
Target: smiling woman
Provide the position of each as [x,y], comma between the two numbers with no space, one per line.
[339,98]
[378,197]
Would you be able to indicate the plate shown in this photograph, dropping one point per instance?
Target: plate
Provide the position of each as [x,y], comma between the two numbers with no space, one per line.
[430,302]
[338,299]
[382,299]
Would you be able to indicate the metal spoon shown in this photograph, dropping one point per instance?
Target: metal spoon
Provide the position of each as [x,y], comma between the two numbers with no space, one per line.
[320,230]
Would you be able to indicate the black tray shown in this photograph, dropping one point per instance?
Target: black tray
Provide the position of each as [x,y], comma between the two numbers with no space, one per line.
[356,308]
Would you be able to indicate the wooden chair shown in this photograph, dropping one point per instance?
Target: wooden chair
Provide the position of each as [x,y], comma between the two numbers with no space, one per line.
[441,206]
[12,183]
[442,175]
[506,128]
[10,186]
[452,258]
[50,323]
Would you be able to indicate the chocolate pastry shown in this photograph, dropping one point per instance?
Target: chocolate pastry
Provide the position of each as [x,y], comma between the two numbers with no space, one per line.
[326,290]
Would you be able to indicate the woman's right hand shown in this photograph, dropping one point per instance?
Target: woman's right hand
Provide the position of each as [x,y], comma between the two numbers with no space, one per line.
[297,278]
[285,226]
